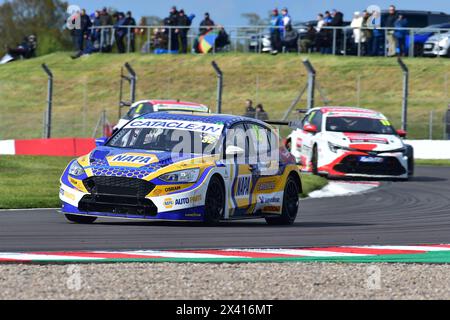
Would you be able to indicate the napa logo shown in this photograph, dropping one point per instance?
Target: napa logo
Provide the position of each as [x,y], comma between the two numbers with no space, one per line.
[132,159]
[168,203]
[243,186]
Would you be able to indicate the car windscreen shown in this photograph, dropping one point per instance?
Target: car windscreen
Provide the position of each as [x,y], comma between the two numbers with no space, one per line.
[139,110]
[168,140]
[359,125]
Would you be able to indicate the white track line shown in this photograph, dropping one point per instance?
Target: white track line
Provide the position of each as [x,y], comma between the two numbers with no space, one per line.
[306,253]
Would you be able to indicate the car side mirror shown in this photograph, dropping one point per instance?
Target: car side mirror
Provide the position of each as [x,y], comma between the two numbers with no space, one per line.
[402,133]
[100,142]
[234,151]
[311,128]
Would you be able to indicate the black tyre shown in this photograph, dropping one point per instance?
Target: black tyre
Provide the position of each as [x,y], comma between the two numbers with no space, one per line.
[290,204]
[80,219]
[410,155]
[214,202]
[315,161]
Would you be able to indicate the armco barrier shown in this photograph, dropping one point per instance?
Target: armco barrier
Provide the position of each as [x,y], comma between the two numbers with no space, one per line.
[67,147]
[430,149]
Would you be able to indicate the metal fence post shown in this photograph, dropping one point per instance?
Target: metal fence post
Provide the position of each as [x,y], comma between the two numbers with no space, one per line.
[405,93]
[411,44]
[48,115]
[133,80]
[334,41]
[430,133]
[311,82]
[219,86]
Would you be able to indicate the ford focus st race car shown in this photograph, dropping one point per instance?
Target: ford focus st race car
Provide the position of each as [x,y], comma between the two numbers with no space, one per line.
[351,142]
[188,167]
[148,106]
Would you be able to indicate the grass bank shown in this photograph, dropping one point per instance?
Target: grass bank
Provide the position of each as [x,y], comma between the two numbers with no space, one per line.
[85,87]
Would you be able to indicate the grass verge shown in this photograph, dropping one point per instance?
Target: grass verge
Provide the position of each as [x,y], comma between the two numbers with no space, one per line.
[436,163]
[33,182]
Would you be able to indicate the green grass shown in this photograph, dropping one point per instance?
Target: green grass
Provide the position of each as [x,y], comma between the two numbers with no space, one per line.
[30,182]
[436,163]
[33,182]
[85,87]
[311,183]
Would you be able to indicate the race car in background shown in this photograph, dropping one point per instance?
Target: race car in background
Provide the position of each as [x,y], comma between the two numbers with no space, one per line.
[148,106]
[438,45]
[139,173]
[350,142]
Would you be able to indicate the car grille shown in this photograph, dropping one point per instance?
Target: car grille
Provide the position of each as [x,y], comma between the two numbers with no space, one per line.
[351,165]
[120,205]
[118,186]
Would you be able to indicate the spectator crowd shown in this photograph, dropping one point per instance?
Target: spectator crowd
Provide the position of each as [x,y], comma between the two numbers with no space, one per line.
[96,35]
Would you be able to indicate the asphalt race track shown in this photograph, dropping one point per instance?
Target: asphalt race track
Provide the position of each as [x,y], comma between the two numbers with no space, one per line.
[407,213]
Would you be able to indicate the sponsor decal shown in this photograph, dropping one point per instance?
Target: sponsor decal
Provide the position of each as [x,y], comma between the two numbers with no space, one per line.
[172,189]
[243,186]
[188,200]
[66,194]
[266,186]
[178,125]
[272,209]
[263,199]
[127,158]
[168,203]
[193,215]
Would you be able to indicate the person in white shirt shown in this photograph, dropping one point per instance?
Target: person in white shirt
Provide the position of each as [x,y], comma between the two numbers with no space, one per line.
[320,22]
[357,23]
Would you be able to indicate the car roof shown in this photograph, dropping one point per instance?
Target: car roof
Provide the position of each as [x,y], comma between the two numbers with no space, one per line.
[227,119]
[345,110]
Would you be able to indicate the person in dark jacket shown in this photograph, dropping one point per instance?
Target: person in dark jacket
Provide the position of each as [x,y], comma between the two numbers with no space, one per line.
[400,35]
[130,21]
[308,41]
[261,114]
[206,25]
[290,39]
[184,21]
[337,21]
[249,110]
[276,31]
[390,23]
[120,32]
[171,22]
[86,24]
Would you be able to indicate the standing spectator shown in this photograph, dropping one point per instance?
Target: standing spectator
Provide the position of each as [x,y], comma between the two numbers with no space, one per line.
[206,25]
[171,22]
[86,24]
[184,21]
[261,114]
[337,21]
[130,21]
[120,32]
[374,24]
[327,17]
[447,121]
[106,35]
[320,22]
[308,41]
[286,17]
[357,24]
[290,39]
[400,35]
[95,36]
[390,23]
[276,28]
[249,110]
[367,32]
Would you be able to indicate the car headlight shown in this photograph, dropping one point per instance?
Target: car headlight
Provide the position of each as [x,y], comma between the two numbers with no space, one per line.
[185,176]
[75,169]
[335,148]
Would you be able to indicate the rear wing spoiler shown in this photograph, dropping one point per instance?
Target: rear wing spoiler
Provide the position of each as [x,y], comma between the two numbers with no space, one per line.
[290,124]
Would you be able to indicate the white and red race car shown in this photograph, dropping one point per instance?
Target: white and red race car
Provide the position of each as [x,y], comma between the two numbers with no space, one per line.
[350,142]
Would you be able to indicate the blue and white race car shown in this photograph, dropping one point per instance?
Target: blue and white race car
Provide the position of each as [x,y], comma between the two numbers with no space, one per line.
[188,167]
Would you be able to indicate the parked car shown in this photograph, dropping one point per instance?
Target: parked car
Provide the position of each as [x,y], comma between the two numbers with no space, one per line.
[437,45]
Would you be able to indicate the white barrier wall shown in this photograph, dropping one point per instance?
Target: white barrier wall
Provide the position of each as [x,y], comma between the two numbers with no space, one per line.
[430,149]
[7,147]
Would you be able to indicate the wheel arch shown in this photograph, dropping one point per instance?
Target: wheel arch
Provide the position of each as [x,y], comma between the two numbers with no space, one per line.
[296,176]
